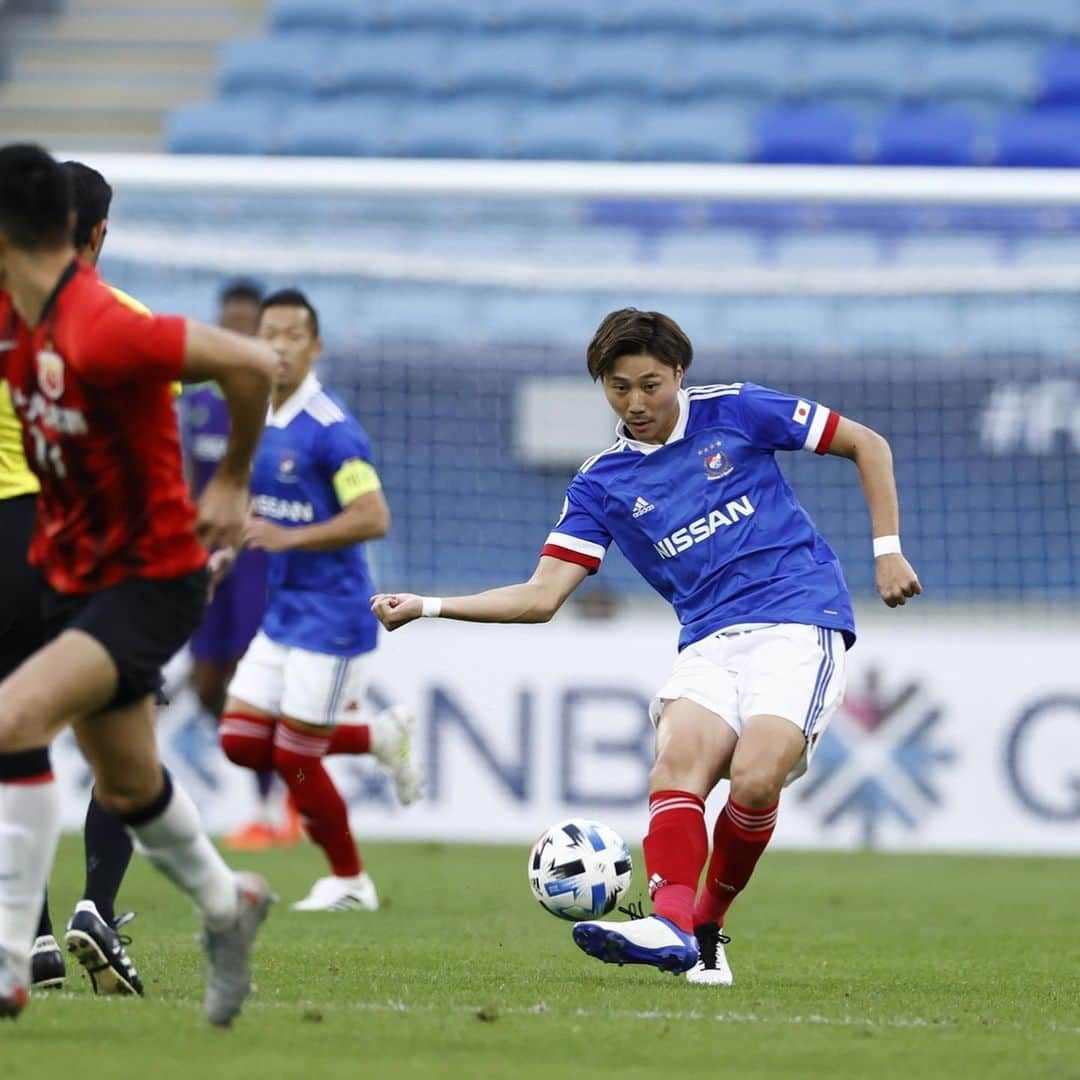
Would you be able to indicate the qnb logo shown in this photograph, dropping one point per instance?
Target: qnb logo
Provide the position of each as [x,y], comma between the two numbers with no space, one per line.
[879,761]
[1032,417]
[700,529]
[283,509]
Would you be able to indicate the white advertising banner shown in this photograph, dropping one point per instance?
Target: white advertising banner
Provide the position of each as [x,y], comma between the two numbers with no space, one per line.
[956,735]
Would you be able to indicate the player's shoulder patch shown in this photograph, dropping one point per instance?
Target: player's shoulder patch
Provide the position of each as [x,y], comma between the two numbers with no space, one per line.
[324,409]
[615,448]
[128,301]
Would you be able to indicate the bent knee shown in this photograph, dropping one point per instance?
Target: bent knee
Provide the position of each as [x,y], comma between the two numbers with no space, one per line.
[757,786]
[122,798]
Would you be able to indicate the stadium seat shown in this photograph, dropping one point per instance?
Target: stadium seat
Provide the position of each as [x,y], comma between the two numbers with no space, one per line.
[462,16]
[899,325]
[336,15]
[410,62]
[995,73]
[921,18]
[926,137]
[349,128]
[797,17]
[877,70]
[576,130]
[461,129]
[568,15]
[1048,251]
[586,244]
[1039,21]
[839,249]
[818,136]
[530,64]
[708,249]
[700,131]
[288,64]
[630,66]
[687,16]
[761,68]
[948,250]
[1059,77]
[241,127]
[1044,138]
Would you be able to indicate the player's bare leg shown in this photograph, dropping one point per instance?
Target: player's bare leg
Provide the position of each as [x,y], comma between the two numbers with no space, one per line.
[693,750]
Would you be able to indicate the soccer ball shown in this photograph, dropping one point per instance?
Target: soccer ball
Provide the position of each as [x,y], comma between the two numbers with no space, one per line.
[578,869]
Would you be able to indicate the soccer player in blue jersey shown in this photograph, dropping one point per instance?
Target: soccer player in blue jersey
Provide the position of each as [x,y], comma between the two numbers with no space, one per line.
[691,493]
[317,498]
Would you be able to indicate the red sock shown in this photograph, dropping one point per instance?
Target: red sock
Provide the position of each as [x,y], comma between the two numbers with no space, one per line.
[248,740]
[298,761]
[675,851]
[740,837]
[350,739]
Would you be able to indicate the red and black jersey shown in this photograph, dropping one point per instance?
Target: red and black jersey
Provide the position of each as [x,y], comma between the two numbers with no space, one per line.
[91,386]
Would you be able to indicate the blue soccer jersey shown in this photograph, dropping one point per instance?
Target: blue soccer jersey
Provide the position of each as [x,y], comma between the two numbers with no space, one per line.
[315,458]
[708,519]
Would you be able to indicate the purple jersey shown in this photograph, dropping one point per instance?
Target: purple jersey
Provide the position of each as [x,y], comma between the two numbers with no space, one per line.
[234,615]
[204,422]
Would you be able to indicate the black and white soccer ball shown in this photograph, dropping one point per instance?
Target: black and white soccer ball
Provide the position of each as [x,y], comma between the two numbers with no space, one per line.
[578,869]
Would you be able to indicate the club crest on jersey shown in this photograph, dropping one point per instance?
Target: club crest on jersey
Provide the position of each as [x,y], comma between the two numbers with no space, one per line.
[717,463]
[287,468]
[50,373]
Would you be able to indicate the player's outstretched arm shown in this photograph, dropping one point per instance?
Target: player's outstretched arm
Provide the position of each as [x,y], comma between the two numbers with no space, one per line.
[243,368]
[532,601]
[896,579]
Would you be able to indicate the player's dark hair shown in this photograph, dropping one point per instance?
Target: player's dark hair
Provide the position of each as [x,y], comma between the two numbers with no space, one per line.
[35,198]
[91,195]
[630,332]
[292,298]
[241,289]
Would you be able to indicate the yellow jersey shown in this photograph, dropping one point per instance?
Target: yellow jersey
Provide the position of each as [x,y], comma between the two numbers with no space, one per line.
[15,475]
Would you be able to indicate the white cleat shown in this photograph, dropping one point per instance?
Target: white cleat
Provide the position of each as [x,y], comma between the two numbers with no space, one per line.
[712,967]
[391,743]
[340,894]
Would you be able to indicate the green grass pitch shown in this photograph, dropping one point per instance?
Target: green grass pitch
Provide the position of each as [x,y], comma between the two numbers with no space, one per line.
[856,965]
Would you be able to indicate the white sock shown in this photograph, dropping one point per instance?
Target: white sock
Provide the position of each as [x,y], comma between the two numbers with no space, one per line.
[176,844]
[29,831]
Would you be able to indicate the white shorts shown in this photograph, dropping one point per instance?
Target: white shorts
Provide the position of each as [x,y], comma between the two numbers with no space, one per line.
[315,688]
[763,669]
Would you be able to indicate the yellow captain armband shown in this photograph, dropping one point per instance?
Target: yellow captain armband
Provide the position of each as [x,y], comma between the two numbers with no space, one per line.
[355,478]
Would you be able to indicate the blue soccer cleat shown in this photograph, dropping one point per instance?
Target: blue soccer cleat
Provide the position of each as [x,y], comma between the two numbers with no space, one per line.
[653,940]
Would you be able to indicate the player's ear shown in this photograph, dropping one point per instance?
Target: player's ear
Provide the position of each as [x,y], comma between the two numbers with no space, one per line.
[679,372]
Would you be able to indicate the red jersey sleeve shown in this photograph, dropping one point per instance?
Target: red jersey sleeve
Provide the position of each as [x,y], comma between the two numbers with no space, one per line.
[123,344]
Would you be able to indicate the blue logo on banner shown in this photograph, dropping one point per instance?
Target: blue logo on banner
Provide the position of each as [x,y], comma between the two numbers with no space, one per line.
[879,760]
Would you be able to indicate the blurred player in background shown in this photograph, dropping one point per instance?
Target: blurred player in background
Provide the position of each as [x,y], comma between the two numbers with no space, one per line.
[692,495]
[317,499]
[118,542]
[239,601]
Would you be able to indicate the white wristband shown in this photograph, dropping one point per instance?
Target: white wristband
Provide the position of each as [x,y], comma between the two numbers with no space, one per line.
[430,606]
[886,545]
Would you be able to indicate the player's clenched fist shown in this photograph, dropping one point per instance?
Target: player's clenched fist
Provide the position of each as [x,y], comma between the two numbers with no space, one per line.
[396,609]
[896,580]
[223,512]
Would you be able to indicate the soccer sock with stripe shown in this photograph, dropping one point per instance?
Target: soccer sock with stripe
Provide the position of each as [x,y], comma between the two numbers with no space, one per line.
[172,838]
[248,740]
[675,851]
[351,739]
[29,831]
[739,839]
[298,760]
[108,853]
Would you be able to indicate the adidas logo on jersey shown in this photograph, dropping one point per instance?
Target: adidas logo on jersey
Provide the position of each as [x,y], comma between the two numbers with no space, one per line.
[642,507]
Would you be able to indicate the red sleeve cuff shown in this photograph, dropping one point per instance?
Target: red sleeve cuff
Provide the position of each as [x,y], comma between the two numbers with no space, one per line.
[553,551]
[172,339]
[827,435]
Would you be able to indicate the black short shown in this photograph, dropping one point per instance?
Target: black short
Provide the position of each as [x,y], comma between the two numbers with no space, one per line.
[21,585]
[140,622]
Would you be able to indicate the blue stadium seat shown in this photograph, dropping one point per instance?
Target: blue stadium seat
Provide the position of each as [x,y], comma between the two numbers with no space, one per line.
[411,62]
[708,249]
[576,130]
[1044,138]
[1040,20]
[348,128]
[700,131]
[457,129]
[336,15]
[1006,325]
[1059,76]
[522,318]
[900,324]
[995,73]
[687,16]
[460,16]
[921,18]
[529,64]
[1048,251]
[875,70]
[798,17]
[777,322]
[288,64]
[632,66]
[585,244]
[948,249]
[762,68]
[926,137]
[817,136]
[836,249]
[241,127]
[571,15]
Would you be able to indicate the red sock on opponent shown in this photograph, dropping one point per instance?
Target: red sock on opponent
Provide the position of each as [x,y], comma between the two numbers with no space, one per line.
[675,851]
